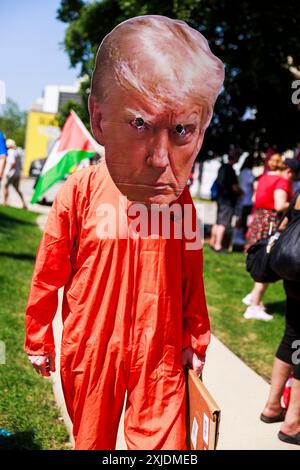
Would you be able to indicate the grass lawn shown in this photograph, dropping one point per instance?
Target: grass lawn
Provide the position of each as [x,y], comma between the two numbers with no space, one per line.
[226,283]
[27,407]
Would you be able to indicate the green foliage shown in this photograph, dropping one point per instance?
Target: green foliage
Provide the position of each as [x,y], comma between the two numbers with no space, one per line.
[13,122]
[84,34]
[27,406]
[253,39]
[69,10]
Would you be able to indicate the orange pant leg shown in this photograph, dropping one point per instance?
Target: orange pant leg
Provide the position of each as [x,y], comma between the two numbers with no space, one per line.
[97,407]
[155,411]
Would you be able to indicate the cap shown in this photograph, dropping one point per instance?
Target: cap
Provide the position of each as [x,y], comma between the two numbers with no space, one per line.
[292,164]
[10,144]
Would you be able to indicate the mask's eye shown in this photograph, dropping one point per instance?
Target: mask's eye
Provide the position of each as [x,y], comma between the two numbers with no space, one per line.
[180,129]
[139,123]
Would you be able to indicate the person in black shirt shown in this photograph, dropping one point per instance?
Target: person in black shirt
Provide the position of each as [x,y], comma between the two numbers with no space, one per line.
[228,191]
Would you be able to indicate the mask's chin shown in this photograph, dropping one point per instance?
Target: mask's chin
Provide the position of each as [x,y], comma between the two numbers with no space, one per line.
[147,195]
[161,199]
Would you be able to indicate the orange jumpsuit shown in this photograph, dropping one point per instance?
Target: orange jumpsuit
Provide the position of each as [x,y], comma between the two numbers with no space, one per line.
[130,306]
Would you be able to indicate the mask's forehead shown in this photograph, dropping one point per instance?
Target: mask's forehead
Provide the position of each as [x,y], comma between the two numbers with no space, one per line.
[154,102]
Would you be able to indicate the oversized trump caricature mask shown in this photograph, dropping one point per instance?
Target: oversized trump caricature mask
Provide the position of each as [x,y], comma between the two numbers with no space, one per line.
[153,90]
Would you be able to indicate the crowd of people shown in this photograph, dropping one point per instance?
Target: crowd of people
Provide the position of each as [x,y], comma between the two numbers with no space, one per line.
[266,205]
[258,204]
[235,194]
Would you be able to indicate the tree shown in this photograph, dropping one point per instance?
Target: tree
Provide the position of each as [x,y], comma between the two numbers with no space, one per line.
[13,122]
[255,39]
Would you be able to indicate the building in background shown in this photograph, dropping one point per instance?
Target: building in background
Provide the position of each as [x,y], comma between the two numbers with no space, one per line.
[42,126]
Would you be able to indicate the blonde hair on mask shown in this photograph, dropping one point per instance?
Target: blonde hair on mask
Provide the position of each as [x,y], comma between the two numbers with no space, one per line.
[160,59]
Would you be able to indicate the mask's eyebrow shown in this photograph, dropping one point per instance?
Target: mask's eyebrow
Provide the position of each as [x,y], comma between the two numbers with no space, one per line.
[136,113]
[187,119]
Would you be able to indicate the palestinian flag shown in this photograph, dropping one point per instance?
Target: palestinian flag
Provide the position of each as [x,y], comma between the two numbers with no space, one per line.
[75,144]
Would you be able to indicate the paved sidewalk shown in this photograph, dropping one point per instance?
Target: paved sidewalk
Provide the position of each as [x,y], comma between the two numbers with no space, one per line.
[241,395]
[26,187]
[239,391]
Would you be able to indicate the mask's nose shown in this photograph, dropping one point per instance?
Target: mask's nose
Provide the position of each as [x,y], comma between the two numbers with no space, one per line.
[159,153]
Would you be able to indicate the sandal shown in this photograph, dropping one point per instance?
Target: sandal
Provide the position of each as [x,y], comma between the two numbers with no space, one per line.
[274,419]
[294,439]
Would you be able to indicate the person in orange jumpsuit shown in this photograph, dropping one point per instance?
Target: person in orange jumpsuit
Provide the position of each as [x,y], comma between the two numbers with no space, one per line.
[134,310]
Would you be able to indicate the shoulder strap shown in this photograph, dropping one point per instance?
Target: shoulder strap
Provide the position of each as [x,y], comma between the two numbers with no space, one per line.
[292,205]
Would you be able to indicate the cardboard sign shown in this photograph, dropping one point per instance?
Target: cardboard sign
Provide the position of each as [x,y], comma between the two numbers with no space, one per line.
[203,415]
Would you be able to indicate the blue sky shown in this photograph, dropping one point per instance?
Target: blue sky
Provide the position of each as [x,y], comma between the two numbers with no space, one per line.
[30,52]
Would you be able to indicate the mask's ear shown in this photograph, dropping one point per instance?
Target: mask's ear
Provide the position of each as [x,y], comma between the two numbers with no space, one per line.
[96,119]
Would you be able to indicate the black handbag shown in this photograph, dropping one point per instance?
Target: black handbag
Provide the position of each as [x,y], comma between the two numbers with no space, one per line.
[285,259]
[258,259]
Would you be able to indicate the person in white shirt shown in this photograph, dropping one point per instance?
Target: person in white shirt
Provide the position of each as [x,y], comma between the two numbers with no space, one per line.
[12,171]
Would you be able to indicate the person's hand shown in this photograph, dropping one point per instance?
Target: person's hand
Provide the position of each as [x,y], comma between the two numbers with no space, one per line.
[193,360]
[43,364]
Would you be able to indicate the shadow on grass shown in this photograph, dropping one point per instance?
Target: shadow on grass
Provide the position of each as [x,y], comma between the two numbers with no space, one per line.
[19,256]
[8,221]
[19,441]
[276,307]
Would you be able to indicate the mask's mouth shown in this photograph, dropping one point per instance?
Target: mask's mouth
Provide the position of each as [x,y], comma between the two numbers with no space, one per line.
[158,186]
[161,185]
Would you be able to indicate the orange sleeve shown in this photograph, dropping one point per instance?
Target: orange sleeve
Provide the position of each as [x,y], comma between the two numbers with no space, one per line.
[52,271]
[196,325]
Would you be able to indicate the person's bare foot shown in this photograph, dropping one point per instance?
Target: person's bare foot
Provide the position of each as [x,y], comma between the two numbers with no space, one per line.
[217,247]
[290,428]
